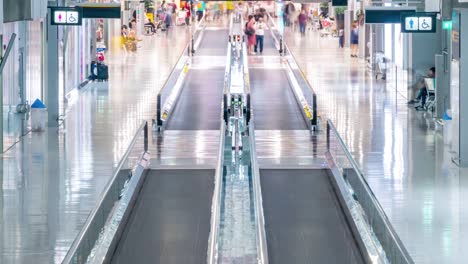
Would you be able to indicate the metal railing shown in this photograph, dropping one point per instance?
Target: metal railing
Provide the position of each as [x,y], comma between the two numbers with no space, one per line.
[213,242]
[262,247]
[227,73]
[373,213]
[216,201]
[197,35]
[291,62]
[248,110]
[177,73]
[86,240]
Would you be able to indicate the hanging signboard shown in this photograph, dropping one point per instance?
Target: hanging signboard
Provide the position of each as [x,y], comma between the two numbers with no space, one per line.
[385,15]
[101,10]
[66,16]
[418,22]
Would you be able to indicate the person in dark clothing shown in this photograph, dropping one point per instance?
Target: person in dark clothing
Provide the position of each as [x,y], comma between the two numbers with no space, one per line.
[302,22]
[289,9]
[354,40]
[422,93]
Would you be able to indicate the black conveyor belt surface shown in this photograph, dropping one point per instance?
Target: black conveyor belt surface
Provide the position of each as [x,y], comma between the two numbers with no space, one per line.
[273,101]
[213,43]
[199,103]
[304,222]
[170,222]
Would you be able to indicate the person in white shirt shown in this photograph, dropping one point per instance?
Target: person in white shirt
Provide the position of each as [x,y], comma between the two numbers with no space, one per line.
[260,28]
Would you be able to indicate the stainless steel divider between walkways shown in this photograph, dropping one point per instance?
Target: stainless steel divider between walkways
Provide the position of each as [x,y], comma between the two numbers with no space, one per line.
[262,248]
[248,103]
[303,91]
[96,238]
[370,221]
[213,241]
[169,93]
[258,201]
[227,81]
[236,40]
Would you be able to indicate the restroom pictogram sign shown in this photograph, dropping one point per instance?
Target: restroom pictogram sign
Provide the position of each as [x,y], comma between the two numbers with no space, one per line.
[71,16]
[418,22]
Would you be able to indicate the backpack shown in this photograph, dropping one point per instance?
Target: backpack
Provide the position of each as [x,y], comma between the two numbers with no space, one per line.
[248,31]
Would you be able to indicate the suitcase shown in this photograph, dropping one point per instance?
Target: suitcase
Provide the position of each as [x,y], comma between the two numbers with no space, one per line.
[102,72]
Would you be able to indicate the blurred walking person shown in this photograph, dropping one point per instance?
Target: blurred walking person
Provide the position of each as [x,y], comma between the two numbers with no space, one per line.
[250,32]
[260,27]
[354,40]
[302,22]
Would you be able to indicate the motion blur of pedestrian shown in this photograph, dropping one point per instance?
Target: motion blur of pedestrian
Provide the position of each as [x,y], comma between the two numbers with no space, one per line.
[260,28]
[354,40]
[200,10]
[250,32]
[188,8]
[289,10]
[302,22]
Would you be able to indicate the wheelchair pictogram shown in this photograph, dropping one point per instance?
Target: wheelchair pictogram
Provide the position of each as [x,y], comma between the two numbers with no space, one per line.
[425,25]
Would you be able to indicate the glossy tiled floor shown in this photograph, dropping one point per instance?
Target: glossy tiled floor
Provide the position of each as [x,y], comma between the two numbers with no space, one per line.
[52,180]
[405,161]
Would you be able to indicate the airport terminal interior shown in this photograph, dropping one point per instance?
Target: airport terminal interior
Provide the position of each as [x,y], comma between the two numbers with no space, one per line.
[173,131]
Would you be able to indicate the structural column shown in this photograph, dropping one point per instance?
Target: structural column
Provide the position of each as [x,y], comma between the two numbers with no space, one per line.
[463,84]
[51,67]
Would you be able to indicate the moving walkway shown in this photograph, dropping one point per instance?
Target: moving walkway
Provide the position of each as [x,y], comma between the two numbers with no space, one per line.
[151,214]
[238,211]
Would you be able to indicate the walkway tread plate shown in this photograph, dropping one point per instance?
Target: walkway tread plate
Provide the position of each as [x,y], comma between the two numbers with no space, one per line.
[303,219]
[170,222]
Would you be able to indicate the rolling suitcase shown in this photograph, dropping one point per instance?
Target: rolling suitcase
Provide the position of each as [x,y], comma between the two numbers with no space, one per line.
[102,72]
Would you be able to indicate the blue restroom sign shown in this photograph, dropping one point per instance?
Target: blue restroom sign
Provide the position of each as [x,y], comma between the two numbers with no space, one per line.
[418,22]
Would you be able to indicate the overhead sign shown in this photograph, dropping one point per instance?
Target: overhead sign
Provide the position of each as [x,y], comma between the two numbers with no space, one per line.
[385,15]
[418,22]
[101,10]
[66,16]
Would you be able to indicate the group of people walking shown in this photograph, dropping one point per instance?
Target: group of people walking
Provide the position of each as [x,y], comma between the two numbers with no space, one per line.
[255,31]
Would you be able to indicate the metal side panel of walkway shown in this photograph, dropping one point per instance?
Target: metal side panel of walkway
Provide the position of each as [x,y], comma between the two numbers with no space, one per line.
[199,103]
[170,222]
[303,219]
[273,101]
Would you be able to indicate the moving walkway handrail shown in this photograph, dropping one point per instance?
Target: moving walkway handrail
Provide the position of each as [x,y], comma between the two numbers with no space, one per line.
[381,226]
[227,74]
[262,247]
[278,43]
[198,29]
[85,241]
[248,103]
[213,242]
[216,202]
[258,202]
[284,49]
[181,63]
